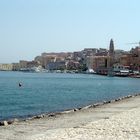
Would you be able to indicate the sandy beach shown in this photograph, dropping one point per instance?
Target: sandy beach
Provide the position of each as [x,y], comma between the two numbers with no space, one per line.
[117,120]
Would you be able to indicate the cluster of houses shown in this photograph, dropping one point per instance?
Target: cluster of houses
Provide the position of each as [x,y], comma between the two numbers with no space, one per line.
[100,61]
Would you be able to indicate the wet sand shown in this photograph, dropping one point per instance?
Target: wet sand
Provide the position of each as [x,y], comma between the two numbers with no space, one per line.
[117,120]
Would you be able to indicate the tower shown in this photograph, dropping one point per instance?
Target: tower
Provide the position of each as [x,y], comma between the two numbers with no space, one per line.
[111,48]
[111,55]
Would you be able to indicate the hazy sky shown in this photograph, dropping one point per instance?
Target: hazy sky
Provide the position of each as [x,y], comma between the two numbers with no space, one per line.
[30,27]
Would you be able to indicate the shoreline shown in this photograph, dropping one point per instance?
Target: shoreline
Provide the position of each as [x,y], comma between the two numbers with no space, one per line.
[114,120]
[54,114]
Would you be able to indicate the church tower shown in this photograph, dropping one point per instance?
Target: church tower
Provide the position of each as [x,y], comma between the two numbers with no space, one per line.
[111,48]
[111,54]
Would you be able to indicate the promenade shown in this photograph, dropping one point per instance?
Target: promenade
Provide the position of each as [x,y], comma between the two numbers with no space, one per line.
[117,120]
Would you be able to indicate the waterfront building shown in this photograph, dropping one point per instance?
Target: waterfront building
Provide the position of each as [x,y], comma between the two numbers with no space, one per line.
[135,60]
[23,64]
[125,60]
[59,59]
[6,67]
[16,66]
[89,52]
[102,52]
[31,64]
[56,65]
[72,65]
[61,54]
[48,59]
[89,62]
[39,59]
[103,62]
[100,64]
[131,60]
[26,65]
[118,54]
[77,56]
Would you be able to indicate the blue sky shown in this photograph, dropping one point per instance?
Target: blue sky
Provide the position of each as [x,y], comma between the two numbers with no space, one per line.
[30,27]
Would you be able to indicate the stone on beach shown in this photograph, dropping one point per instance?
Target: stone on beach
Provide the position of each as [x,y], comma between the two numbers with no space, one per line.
[3,123]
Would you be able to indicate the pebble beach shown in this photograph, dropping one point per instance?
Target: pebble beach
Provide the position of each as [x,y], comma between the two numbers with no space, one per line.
[124,126]
[115,120]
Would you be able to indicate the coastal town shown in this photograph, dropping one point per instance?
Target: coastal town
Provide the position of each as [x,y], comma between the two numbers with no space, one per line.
[90,60]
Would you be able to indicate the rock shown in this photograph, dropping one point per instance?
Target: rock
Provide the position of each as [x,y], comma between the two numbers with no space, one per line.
[112,101]
[129,96]
[10,122]
[107,102]
[123,98]
[94,105]
[38,116]
[1,123]
[104,102]
[15,120]
[5,123]
[68,111]
[100,104]
[120,99]
[75,109]
[51,115]
[86,107]
[79,108]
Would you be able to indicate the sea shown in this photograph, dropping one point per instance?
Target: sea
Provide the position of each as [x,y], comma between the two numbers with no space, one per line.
[55,92]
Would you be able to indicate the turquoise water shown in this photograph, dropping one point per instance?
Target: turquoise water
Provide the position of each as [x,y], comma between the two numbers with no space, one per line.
[50,92]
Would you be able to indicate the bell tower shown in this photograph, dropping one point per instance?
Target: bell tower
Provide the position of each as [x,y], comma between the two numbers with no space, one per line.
[111,54]
[111,48]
